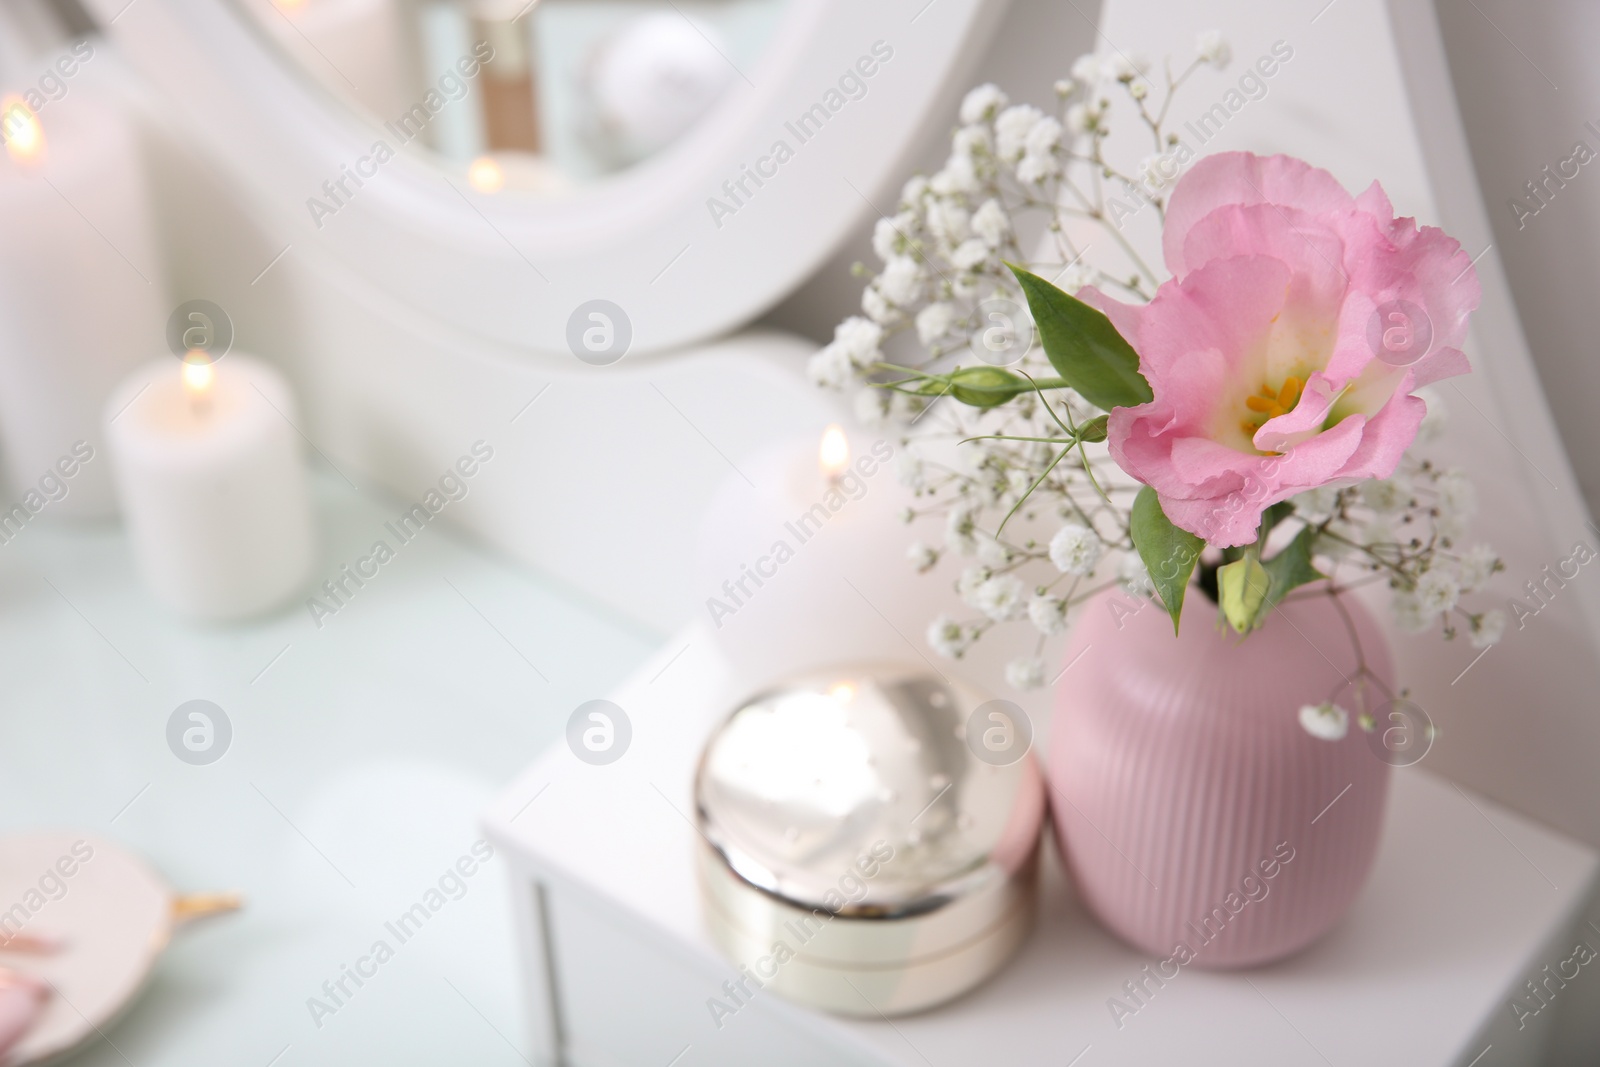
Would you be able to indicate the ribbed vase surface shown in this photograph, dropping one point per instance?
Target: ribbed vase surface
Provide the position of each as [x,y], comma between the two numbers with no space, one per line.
[1192,806]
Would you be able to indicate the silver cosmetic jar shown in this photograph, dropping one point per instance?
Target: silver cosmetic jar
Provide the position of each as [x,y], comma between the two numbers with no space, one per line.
[869,838]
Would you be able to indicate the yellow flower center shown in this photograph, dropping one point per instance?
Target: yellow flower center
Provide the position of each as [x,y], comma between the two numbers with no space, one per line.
[1268,404]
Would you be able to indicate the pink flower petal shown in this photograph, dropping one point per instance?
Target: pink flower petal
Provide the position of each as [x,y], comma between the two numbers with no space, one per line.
[1387,436]
[1280,274]
[1243,178]
[1125,317]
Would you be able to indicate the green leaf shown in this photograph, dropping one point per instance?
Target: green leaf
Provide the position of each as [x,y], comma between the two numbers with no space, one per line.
[1093,430]
[1291,567]
[1242,587]
[1169,554]
[1083,346]
[986,387]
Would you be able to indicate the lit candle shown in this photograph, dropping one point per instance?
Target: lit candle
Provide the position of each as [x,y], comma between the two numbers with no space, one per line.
[833,453]
[208,468]
[486,175]
[808,567]
[24,133]
[82,298]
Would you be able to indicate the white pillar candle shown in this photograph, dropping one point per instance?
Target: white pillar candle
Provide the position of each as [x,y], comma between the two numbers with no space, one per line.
[209,472]
[357,47]
[82,299]
[808,566]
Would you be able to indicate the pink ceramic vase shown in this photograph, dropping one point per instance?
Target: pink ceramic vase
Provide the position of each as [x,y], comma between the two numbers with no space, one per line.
[1193,808]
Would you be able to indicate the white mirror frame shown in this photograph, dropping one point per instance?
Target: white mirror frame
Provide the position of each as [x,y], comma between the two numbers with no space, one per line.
[514,269]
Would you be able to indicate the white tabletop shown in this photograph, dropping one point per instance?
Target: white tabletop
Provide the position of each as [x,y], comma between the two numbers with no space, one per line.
[362,754]
[1466,901]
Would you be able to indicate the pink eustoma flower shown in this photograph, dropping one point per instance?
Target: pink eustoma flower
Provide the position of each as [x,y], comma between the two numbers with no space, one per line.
[1283,352]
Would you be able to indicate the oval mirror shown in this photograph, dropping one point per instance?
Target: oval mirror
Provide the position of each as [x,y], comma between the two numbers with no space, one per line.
[502,165]
[539,97]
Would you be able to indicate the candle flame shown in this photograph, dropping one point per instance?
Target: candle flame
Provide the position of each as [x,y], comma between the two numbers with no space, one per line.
[844,692]
[198,376]
[486,175]
[290,5]
[834,454]
[24,135]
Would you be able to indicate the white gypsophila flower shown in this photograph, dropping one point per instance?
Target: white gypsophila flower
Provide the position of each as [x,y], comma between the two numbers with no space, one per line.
[1064,87]
[1001,598]
[970,254]
[1450,528]
[912,192]
[1018,481]
[958,535]
[1438,414]
[976,457]
[1075,549]
[1377,531]
[968,581]
[831,368]
[1326,721]
[872,407]
[993,553]
[1086,69]
[908,470]
[934,321]
[1044,138]
[1316,503]
[1458,497]
[970,141]
[888,235]
[982,103]
[1213,49]
[860,338]
[1409,617]
[1487,629]
[949,222]
[1158,171]
[1026,672]
[876,307]
[1386,495]
[958,176]
[1437,591]
[1031,169]
[1081,118]
[991,223]
[948,637]
[965,286]
[921,556]
[1012,128]
[1139,90]
[1048,614]
[901,280]
[1134,577]
[905,408]
[1477,564]
[1124,67]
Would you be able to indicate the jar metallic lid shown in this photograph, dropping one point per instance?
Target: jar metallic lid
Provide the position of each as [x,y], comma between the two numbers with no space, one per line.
[858,854]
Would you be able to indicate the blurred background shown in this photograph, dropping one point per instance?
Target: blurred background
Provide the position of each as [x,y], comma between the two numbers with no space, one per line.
[540,158]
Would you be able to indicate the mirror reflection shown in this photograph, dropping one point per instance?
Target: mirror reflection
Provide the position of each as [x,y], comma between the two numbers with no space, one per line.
[541,96]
